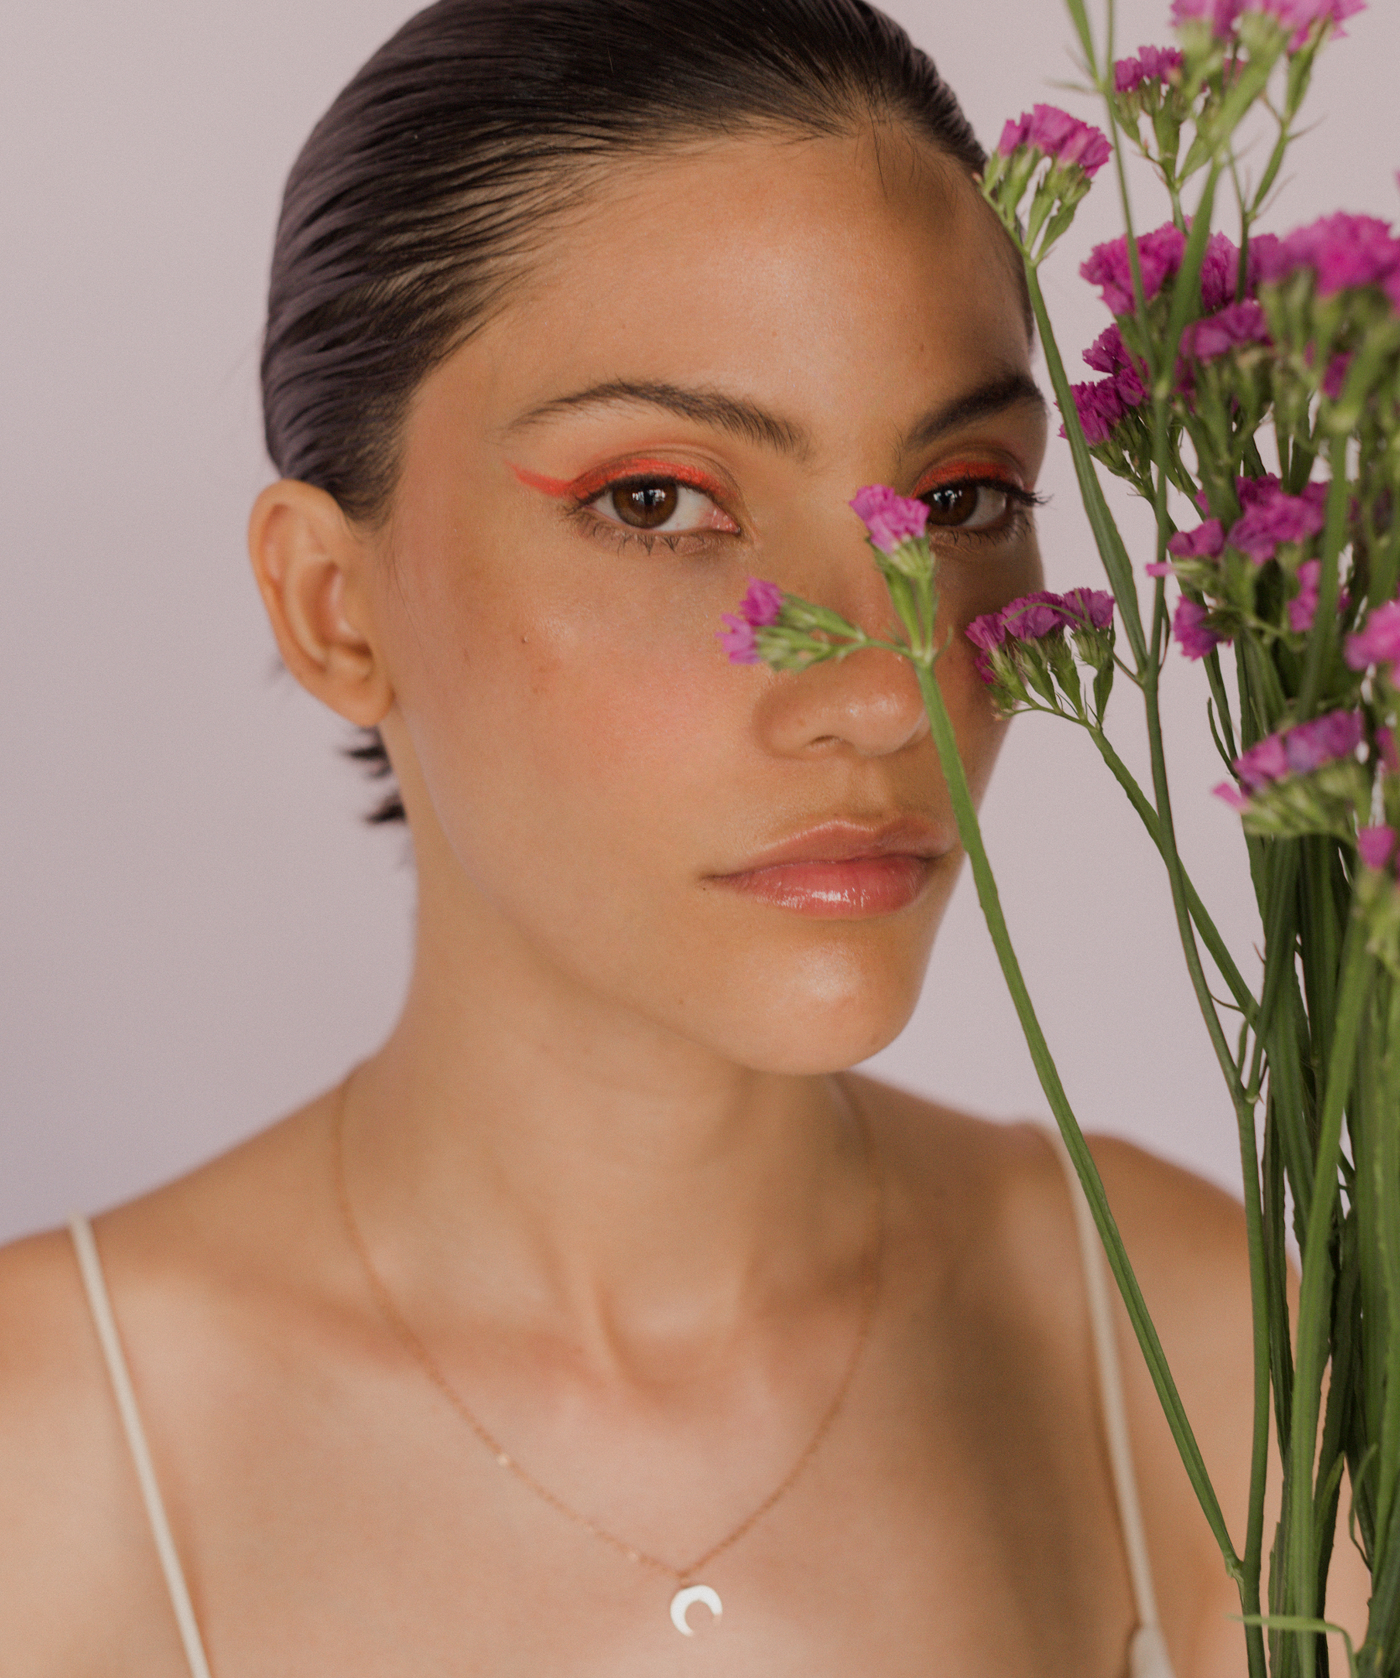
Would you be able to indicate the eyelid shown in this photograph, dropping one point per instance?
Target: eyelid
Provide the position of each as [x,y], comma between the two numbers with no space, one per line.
[589,485]
[952,472]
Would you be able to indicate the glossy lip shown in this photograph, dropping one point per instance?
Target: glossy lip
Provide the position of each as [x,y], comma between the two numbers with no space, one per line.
[844,870]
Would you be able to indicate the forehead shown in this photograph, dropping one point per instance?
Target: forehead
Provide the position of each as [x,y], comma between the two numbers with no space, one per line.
[853,276]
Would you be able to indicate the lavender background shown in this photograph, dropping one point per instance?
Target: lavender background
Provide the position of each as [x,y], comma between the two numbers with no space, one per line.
[195,931]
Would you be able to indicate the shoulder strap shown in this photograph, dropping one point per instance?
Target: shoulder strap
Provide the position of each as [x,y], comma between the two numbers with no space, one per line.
[101,1307]
[1148,1656]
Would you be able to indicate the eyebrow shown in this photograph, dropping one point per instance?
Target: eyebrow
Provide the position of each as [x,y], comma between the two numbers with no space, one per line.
[754,424]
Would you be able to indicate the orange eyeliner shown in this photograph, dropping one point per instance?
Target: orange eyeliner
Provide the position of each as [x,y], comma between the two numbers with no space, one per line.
[963,471]
[589,484]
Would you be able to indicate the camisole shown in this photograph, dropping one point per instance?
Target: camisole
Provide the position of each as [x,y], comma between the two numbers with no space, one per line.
[1147,1651]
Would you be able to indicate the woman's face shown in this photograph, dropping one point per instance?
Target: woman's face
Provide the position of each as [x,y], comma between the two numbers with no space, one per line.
[704,367]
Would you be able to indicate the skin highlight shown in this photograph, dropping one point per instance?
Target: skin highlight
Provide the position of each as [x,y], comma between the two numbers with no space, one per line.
[600,1162]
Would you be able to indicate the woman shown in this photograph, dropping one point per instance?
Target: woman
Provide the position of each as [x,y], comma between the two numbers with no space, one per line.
[597,1305]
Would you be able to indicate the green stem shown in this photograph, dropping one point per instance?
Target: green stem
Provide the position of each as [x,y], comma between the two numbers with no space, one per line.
[969,831]
[1314,1308]
[1204,924]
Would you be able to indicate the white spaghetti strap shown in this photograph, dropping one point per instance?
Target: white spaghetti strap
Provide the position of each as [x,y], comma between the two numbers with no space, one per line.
[1147,1655]
[101,1306]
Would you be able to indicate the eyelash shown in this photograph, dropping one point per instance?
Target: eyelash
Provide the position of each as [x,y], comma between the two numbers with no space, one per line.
[1013,524]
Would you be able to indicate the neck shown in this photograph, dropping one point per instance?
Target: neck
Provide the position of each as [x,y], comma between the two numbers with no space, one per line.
[523,1148]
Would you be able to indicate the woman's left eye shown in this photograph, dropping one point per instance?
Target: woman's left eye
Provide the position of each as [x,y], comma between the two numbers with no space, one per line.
[660,506]
[973,506]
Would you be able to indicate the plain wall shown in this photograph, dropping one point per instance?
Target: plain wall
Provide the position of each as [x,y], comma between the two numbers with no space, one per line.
[196,932]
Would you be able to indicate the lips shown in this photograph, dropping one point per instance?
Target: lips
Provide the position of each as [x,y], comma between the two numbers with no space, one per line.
[844,870]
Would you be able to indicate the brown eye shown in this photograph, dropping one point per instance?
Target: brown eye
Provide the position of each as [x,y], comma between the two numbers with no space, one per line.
[646,505]
[960,503]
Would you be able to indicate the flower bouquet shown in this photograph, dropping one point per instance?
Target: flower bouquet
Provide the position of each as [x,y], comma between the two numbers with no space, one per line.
[1249,389]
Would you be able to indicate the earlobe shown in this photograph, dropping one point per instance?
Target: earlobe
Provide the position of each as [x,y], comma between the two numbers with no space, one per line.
[311,569]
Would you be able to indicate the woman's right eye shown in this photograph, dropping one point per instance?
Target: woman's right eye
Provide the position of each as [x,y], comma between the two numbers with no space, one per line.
[663,506]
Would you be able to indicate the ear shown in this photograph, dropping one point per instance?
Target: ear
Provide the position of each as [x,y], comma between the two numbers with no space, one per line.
[312,570]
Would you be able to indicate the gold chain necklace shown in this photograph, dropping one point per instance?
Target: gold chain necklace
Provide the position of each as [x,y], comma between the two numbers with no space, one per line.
[688,1590]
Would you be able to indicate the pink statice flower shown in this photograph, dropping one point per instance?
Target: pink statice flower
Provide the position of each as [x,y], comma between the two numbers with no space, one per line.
[1220,14]
[1108,266]
[1034,615]
[1263,763]
[1059,135]
[986,633]
[1271,518]
[890,518]
[1206,541]
[1301,15]
[1376,845]
[1344,251]
[1303,608]
[1220,272]
[1228,329]
[1152,64]
[1091,607]
[1194,636]
[1378,641]
[760,607]
[1325,739]
[1335,378]
[1100,407]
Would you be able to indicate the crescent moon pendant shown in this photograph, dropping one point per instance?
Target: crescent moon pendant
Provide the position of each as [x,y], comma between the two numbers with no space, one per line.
[682,1600]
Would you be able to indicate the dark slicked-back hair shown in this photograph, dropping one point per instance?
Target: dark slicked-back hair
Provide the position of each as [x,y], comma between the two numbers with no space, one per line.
[423,191]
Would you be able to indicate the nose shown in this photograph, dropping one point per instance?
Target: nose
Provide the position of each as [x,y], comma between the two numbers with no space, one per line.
[868,704]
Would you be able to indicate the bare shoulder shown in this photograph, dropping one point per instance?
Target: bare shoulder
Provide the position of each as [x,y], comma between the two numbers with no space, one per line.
[80,1585]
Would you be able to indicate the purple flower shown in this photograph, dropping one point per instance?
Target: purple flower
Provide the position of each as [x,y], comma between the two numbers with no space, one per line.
[1058,135]
[1264,762]
[1301,15]
[889,518]
[1379,641]
[1206,541]
[1193,635]
[1088,607]
[1220,272]
[1271,518]
[1099,407]
[737,639]
[1238,323]
[1108,353]
[1323,740]
[1376,845]
[762,604]
[1344,251]
[1220,14]
[1034,615]
[986,633]
[1303,609]
[1152,64]
[1232,795]
[1108,266]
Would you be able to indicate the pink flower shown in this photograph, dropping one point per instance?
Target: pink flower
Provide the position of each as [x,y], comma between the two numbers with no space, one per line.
[1376,845]
[762,604]
[1108,353]
[1301,15]
[1271,518]
[1303,609]
[1232,795]
[1034,615]
[986,633]
[1264,762]
[1152,64]
[1379,641]
[1206,541]
[1099,407]
[1220,272]
[1193,635]
[1344,251]
[1335,378]
[1088,606]
[1059,135]
[1108,267]
[737,639]
[890,519]
[1239,323]
[1220,14]
[1323,740]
